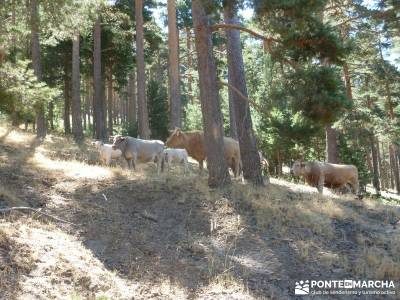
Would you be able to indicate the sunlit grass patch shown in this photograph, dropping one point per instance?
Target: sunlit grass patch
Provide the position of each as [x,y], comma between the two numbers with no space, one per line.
[71,169]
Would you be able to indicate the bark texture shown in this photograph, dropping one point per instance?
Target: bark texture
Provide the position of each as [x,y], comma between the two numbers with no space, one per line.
[37,67]
[212,115]
[143,115]
[77,130]
[98,100]
[173,58]
[240,108]
[331,145]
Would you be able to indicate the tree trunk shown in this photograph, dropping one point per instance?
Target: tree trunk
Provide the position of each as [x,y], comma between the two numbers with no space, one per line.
[98,100]
[380,166]
[51,115]
[67,97]
[110,102]
[210,105]
[347,81]
[241,109]
[37,68]
[76,90]
[132,99]
[395,167]
[331,145]
[143,115]
[375,173]
[173,59]
[189,63]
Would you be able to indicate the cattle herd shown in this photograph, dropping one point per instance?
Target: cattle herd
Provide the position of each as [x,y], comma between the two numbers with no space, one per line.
[183,144]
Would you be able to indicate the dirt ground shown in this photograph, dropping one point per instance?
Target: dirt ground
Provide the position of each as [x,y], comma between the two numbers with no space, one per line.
[137,235]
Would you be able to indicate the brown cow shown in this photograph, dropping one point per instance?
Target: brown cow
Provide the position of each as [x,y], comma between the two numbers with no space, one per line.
[320,174]
[193,142]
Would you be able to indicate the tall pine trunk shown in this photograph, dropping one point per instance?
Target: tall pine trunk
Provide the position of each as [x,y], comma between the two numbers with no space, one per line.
[189,63]
[331,145]
[241,109]
[143,115]
[51,115]
[375,173]
[173,59]
[98,100]
[110,102]
[132,99]
[76,90]
[210,105]
[67,97]
[395,167]
[37,67]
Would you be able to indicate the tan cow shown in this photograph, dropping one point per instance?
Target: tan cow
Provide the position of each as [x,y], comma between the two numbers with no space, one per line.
[320,174]
[193,142]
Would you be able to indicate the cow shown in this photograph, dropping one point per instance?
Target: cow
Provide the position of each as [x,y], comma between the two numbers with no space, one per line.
[106,152]
[177,156]
[320,174]
[137,150]
[193,142]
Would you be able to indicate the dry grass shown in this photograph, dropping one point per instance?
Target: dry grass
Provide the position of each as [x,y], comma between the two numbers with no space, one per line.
[170,236]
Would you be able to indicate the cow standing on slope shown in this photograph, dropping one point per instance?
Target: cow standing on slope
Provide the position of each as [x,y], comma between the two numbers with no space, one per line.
[193,142]
[320,174]
[137,150]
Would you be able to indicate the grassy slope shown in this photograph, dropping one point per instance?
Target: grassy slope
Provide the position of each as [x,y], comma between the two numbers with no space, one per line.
[146,236]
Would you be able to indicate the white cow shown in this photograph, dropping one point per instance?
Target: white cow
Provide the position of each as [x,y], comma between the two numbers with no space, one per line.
[137,150]
[176,156]
[106,152]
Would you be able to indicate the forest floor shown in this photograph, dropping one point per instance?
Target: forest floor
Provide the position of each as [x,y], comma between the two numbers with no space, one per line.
[136,235]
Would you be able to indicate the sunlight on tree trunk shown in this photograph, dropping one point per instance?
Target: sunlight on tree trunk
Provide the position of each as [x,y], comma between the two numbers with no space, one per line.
[210,105]
[174,80]
[241,109]
[143,115]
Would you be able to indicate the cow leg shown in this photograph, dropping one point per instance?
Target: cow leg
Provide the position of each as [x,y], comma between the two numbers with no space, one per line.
[158,164]
[321,182]
[354,185]
[185,166]
[201,166]
[133,161]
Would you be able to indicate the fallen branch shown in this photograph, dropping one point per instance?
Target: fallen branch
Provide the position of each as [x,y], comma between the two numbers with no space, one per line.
[10,209]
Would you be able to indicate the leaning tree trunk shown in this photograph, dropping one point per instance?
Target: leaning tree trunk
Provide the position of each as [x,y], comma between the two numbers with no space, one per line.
[37,67]
[210,106]
[76,90]
[173,59]
[241,109]
[98,100]
[143,115]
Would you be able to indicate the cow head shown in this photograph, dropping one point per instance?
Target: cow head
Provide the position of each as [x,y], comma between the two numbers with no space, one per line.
[119,143]
[298,168]
[176,139]
[97,144]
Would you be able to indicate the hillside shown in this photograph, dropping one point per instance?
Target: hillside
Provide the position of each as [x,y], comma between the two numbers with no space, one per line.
[142,236]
